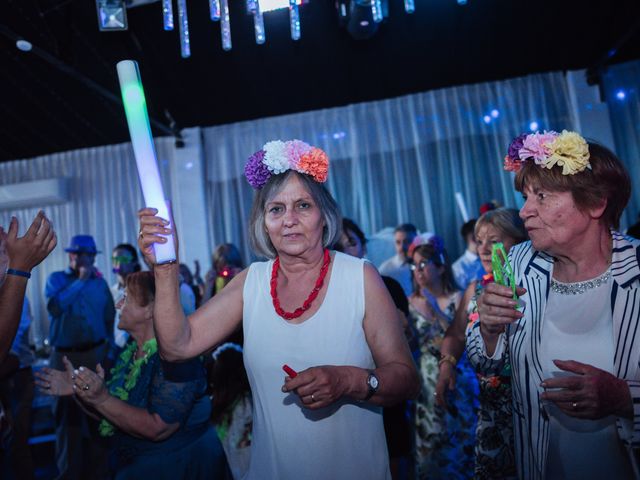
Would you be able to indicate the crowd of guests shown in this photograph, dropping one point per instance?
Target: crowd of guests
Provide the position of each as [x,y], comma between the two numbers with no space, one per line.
[315,364]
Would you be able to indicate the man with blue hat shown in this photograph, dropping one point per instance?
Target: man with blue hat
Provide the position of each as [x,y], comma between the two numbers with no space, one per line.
[81,315]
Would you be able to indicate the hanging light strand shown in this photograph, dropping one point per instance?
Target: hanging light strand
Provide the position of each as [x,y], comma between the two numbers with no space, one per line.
[376,10]
[225,25]
[258,23]
[185,45]
[294,19]
[167,14]
[409,6]
[214,10]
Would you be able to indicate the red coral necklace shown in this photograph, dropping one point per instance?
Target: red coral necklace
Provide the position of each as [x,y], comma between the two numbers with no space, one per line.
[312,296]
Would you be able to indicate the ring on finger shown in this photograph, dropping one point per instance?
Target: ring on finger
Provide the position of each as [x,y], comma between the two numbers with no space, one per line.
[574,405]
[313,399]
[141,235]
[85,388]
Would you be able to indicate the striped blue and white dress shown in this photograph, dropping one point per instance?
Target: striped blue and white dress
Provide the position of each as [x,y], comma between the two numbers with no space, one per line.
[533,271]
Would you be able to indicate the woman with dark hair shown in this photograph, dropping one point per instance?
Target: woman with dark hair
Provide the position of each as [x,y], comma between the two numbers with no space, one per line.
[494,455]
[156,412]
[325,314]
[232,412]
[226,263]
[444,437]
[574,358]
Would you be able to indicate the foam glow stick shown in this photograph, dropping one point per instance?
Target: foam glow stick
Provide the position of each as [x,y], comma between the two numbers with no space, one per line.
[135,108]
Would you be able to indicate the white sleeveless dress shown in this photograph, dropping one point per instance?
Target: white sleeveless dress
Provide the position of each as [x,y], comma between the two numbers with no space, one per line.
[342,441]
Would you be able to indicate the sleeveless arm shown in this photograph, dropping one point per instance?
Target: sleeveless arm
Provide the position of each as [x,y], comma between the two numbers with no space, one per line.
[395,368]
[180,337]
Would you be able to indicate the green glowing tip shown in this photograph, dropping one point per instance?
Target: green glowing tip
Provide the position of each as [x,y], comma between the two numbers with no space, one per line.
[133,96]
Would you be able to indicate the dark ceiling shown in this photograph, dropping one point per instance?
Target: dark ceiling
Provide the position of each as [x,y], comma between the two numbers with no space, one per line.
[46,106]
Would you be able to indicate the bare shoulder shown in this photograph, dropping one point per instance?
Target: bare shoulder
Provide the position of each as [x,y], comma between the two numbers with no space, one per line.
[372,277]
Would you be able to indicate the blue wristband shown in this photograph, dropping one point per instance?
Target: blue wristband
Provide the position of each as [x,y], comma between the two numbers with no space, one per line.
[19,273]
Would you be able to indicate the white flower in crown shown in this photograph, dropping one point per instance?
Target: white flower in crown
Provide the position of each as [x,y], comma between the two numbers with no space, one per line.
[275,156]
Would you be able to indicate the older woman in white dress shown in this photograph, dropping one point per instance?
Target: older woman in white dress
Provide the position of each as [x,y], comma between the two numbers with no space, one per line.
[325,314]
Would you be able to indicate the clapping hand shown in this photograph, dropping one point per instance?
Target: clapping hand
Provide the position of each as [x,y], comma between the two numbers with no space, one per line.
[53,382]
[29,250]
[89,386]
[4,256]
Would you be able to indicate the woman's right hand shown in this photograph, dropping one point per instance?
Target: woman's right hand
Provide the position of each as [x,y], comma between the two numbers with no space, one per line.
[446,381]
[58,383]
[151,229]
[497,308]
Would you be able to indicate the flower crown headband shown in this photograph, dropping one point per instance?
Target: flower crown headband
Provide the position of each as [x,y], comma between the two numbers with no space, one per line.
[567,150]
[277,157]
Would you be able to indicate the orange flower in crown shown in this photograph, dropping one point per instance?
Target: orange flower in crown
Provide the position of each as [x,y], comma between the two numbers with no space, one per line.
[277,157]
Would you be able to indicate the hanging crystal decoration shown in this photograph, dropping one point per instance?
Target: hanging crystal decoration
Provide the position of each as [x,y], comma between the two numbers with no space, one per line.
[214,10]
[409,6]
[294,19]
[376,10]
[258,23]
[225,25]
[185,46]
[167,14]
[342,9]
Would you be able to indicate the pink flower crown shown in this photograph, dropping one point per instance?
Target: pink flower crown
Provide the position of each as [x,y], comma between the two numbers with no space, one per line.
[277,157]
[567,150]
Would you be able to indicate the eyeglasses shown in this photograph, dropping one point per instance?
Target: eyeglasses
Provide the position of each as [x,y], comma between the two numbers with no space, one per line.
[420,266]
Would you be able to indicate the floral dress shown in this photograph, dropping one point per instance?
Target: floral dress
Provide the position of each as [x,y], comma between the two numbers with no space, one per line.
[444,437]
[495,458]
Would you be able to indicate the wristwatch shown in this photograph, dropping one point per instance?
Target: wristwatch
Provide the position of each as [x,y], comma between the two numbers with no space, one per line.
[372,383]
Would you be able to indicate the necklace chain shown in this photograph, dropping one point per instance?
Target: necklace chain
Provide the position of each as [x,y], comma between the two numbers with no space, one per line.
[312,296]
[579,288]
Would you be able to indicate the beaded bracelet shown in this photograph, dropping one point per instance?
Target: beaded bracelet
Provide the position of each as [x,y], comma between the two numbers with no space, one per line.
[18,273]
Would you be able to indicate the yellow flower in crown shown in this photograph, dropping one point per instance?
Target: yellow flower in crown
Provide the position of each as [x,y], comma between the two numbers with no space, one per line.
[569,151]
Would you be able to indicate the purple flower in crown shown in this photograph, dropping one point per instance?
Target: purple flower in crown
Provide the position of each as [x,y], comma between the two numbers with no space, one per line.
[255,171]
[516,145]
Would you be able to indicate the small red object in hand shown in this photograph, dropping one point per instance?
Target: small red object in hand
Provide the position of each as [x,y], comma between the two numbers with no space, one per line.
[290,371]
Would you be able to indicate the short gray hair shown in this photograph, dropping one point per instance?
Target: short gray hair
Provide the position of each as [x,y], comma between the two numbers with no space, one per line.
[258,237]
[507,221]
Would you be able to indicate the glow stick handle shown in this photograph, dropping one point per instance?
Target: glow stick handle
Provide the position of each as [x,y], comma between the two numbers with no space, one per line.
[135,108]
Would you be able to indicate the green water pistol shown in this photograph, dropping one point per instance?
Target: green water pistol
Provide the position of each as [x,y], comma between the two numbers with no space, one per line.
[502,271]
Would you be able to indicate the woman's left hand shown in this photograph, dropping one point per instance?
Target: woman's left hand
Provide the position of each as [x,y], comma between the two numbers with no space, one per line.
[317,387]
[591,393]
[89,386]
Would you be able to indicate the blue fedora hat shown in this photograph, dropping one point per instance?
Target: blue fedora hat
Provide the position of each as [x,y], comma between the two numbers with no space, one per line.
[82,244]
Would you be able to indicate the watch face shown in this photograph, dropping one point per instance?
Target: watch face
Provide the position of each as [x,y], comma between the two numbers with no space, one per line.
[373,381]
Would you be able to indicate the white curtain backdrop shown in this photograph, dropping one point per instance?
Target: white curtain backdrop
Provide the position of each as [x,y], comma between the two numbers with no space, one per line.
[393,161]
[104,195]
[622,89]
[397,160]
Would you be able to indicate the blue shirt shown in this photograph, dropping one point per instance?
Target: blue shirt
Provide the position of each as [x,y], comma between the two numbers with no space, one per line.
[81,312]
